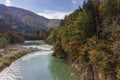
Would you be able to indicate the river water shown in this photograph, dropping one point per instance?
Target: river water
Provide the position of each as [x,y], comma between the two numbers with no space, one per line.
[39,65]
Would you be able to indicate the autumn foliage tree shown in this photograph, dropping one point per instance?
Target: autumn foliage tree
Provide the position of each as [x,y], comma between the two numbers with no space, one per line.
[14,37]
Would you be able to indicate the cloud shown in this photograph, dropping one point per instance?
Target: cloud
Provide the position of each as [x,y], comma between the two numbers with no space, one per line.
[75,2]
[8,2]
[53,14]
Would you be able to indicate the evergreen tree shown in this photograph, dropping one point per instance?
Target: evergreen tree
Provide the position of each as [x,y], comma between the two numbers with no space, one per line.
[92,9]
[109,9]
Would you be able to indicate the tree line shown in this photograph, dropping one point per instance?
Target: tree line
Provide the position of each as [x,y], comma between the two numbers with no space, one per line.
[10,37]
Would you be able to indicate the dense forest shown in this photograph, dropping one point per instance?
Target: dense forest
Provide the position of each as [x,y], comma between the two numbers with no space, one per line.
[90,38]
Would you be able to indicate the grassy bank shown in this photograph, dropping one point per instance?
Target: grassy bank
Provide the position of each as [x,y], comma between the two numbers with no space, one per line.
[6,60]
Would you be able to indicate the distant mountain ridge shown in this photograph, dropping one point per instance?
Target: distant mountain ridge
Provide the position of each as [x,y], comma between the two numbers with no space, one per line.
[24,21]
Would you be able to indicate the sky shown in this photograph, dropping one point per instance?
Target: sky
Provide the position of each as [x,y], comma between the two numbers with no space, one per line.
[52,9]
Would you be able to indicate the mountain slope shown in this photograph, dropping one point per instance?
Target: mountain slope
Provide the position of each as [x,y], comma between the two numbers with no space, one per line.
[53,23]
[20,20]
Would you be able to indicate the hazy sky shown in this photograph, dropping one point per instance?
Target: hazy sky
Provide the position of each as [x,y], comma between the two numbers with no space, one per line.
[48,8]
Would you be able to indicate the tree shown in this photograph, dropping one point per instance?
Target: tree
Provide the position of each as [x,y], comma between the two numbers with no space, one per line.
[4,41]
[91,7]
[109,8]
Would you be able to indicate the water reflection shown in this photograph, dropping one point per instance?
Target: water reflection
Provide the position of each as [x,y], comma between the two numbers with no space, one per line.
[61,71]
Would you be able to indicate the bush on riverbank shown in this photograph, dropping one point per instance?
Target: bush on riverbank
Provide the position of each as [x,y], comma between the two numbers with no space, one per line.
[8,37]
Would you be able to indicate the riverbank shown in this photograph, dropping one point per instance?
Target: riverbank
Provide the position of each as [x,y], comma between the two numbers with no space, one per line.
[12,53]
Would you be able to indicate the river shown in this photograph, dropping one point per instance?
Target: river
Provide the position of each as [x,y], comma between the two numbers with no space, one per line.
[39,65]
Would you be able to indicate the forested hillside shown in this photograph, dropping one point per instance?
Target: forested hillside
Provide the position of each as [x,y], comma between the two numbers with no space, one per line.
[24,21]
[89,39]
